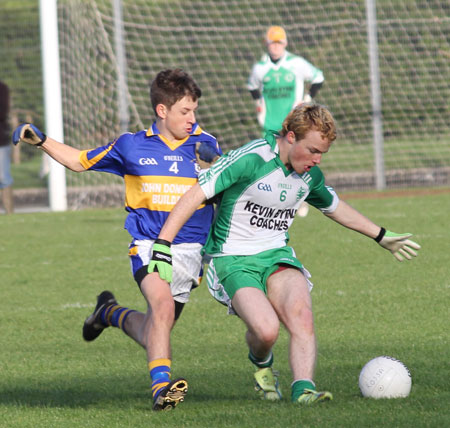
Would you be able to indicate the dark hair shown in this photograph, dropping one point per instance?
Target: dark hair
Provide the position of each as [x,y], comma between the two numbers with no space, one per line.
[170,86]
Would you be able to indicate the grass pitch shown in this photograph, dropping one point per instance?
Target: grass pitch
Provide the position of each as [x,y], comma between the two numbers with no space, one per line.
[366,304]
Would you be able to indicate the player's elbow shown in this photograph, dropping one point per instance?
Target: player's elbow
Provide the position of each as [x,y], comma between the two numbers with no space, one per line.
[75,166]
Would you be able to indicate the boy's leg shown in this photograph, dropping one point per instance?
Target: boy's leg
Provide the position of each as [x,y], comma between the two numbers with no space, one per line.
[262,323]
[161,315]
[159,321]
[288,292]
[152,329]
[6,179]
[8,200]
[107,313]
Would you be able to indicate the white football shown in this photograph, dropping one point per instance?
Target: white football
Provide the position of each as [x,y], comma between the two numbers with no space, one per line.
[385,377]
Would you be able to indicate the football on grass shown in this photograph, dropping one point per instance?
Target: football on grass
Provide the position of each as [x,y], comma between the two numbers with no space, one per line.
[385,377]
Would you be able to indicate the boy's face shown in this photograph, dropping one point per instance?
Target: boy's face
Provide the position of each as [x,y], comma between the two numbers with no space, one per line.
[177,122]
[276,49]
[306,153]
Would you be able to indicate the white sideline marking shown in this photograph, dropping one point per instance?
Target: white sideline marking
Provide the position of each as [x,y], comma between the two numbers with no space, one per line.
[77,305]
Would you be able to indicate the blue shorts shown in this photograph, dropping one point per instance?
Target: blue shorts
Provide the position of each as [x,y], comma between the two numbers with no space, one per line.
[5,166]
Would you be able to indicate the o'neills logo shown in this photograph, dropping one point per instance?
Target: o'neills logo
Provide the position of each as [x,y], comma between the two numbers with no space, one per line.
[164,257]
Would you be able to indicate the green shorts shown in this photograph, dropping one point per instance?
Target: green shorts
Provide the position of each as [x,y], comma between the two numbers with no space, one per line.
[235,272]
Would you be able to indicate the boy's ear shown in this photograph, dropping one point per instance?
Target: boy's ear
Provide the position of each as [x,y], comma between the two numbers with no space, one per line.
[161,111]
[290,136]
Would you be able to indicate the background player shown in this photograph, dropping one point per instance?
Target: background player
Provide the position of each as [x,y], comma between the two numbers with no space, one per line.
[262,185]
[277,84]
[6,179]
[277,81]
[158,165]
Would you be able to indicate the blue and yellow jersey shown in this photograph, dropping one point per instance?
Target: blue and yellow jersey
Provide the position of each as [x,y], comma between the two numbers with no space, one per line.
[157,173]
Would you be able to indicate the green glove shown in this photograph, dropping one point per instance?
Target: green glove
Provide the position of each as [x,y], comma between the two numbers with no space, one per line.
[161,261]
[398,244]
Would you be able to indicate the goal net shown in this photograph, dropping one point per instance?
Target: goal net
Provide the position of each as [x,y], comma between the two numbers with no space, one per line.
[217,41]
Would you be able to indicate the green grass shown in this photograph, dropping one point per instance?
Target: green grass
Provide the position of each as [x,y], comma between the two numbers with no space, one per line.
[366,304]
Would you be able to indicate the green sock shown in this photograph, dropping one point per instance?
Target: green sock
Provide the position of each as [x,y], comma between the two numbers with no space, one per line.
[299,386]
[261,363]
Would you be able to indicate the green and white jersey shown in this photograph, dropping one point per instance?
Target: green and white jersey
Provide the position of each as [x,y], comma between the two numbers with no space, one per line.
[282,86]
[259,198]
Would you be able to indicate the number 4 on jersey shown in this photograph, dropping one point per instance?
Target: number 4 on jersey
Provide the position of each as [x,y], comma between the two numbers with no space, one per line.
[174,168]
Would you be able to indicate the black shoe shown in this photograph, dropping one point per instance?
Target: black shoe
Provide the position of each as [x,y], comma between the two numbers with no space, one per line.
[93,325]
[171,395]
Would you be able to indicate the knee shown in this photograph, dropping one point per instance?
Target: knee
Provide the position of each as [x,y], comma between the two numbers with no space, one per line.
[163,310]
[300,318]
[307,320]
[268,334]
[159,299]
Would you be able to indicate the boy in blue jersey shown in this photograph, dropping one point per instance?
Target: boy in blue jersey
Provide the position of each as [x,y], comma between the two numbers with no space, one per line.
[253,269]
[158,166]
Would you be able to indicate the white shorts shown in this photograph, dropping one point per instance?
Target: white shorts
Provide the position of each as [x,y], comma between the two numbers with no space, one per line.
[186,261]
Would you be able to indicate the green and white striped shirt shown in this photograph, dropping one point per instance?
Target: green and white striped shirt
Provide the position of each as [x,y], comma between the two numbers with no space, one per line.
[282,86]
[259,198]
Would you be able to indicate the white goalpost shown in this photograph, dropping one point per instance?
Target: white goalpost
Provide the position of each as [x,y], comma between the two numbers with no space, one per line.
[52,99]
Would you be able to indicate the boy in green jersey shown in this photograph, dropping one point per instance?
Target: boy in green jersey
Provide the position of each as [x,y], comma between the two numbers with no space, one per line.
[277,84]
[262,184]
[277,81]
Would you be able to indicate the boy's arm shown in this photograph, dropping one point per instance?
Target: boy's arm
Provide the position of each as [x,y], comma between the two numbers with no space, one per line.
[161,261]
[398,244]
[61,153]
